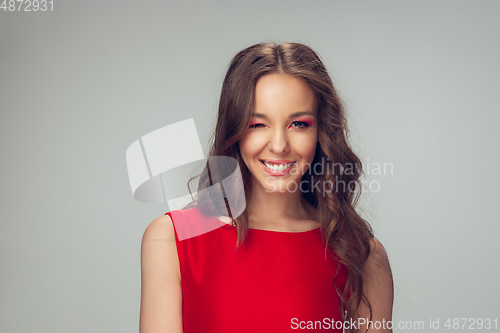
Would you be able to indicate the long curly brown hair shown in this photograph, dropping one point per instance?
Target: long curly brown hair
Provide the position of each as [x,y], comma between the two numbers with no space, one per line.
[345,233]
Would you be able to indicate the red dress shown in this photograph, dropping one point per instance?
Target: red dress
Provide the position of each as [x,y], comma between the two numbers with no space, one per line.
[275,281]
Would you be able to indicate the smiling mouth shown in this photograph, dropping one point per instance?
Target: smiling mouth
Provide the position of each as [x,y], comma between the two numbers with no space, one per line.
[277,167]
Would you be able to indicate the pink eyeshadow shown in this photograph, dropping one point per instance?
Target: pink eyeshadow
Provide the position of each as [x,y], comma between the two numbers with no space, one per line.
[307,121]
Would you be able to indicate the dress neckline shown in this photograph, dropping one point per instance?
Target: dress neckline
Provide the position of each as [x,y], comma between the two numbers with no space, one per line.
[225,224]
[286,232]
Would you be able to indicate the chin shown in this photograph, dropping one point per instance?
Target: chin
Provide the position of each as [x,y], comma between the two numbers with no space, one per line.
[279,186]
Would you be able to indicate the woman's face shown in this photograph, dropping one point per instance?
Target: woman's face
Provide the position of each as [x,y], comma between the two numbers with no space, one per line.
[280,143]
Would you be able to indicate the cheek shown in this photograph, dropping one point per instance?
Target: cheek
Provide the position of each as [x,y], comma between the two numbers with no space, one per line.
[248,147]
[306,147]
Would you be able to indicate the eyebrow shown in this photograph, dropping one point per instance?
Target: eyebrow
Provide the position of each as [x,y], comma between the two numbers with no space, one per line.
[293,115]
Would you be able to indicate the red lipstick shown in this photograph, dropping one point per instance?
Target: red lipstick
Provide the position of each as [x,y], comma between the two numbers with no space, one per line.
[271,161]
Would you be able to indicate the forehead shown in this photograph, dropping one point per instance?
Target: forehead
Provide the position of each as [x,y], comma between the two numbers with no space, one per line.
[283,93]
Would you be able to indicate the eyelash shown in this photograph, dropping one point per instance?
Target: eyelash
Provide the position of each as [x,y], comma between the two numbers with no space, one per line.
[303,124]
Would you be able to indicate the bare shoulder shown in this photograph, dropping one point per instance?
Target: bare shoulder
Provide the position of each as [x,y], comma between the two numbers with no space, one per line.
[377,287]
[378,255]
[377,268]
[161,293]
[160,228]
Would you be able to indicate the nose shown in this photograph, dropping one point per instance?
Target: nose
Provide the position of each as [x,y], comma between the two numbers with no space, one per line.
[278,142]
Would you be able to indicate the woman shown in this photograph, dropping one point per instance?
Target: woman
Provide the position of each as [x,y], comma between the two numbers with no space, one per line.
[282,120]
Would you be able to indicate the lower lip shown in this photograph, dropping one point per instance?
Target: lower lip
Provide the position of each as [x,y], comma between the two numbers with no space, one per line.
[278,172]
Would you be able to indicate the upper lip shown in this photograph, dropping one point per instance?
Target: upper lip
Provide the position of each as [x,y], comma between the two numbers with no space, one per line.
[278,161]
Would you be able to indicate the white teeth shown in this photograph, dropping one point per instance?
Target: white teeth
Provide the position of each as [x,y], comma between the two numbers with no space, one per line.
[276,167]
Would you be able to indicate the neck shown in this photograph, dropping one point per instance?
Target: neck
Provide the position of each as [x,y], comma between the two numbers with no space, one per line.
[276,208]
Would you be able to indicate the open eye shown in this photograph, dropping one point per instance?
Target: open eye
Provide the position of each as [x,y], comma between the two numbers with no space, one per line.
[299,124]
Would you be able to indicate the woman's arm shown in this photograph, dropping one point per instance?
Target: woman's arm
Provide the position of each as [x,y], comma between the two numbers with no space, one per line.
[379,289]
[161,293]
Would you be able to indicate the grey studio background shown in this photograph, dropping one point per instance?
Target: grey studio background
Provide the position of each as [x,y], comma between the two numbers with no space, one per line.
[78,85]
